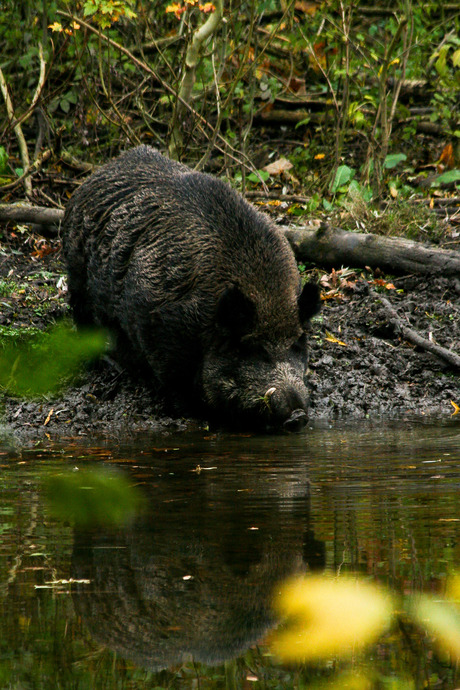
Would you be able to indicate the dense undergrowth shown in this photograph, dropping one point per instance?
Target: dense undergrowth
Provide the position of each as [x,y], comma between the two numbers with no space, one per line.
[339,105]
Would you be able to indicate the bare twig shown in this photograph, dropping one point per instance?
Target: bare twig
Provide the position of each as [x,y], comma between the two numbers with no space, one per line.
[19,135]
[203,124]
[192,58]
[384,116]
[342,118]
[16,124]
[130,133]
[25,177]
[415,338]
[41,81]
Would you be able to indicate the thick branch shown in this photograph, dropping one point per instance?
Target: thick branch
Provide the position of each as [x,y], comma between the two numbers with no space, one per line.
[413,337]
[23,213]
[331,247]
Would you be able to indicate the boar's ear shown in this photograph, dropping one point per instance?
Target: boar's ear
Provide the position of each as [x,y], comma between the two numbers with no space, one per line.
[235,312]
[309,302]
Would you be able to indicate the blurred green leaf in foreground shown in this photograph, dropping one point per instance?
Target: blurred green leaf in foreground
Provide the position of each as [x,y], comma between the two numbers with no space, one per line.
[43,363]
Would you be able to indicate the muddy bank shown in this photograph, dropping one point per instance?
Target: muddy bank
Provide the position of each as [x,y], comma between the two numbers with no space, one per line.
[359,367]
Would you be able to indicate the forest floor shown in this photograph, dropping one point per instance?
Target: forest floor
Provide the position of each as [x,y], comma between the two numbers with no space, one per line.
[359,367]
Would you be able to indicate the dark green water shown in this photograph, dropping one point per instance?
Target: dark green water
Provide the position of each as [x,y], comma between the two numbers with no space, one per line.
[181,595]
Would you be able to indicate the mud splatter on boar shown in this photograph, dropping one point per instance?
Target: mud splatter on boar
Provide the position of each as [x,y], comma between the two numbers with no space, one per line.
[200,289]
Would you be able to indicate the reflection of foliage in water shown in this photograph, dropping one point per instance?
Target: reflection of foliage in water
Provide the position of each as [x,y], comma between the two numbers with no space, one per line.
[92,497]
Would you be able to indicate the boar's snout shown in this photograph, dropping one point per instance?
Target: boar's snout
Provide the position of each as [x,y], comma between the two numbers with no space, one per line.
[288,407]
[296,421]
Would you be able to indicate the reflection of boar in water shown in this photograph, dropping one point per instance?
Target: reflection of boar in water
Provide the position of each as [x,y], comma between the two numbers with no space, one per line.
[194,574]
[196,284]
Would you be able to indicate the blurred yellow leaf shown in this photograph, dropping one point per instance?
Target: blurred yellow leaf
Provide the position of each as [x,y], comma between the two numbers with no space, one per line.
[329,617]
[453,589]
[55,26]
[306,7]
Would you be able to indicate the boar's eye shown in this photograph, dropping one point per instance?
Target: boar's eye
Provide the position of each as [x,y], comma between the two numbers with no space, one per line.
[235,313]
[249,348]
[309,302]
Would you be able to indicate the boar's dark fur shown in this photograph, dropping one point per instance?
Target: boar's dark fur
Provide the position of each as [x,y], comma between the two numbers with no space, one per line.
[201,290]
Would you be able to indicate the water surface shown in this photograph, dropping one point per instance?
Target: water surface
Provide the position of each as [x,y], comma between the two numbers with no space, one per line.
[180,596]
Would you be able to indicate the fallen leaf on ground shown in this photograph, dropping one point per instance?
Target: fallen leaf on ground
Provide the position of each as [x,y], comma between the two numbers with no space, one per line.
[332,339]
[278,166]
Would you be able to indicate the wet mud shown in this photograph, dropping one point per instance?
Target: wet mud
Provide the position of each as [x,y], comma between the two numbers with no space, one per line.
[359,366]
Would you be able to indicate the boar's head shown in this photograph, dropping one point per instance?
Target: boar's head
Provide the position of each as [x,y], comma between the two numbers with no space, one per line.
[250,378]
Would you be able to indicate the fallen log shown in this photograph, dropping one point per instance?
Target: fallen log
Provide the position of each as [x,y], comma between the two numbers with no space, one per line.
[325,246]
[331,247]
[25,213]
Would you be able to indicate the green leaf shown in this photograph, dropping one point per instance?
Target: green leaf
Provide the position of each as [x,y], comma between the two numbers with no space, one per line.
[446,178]
[261,174]
[89,7]
[441,62]
[303,122]
[4,167]
[343,175]
[296,210]
[393,159]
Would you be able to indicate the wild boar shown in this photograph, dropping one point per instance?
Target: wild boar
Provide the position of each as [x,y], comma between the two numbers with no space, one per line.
[201,290]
